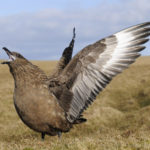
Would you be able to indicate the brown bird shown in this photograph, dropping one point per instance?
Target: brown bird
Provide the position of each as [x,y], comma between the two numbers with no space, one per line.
[52,105]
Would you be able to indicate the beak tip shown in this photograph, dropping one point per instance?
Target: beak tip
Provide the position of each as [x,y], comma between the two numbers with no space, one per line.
[4,48]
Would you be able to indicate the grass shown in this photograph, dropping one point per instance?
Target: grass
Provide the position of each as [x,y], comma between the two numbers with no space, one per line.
[119,119]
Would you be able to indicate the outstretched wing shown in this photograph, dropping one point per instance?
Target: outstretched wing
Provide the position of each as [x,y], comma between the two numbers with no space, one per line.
[94,67]
[65,58]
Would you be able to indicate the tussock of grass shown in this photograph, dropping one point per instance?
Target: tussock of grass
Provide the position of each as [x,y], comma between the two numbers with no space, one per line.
[119,119]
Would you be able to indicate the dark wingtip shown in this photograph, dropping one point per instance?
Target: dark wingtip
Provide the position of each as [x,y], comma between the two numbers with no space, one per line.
[74,34]
[74,30]
[5,48]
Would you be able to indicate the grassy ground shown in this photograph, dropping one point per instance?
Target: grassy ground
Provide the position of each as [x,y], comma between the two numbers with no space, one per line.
[119,119]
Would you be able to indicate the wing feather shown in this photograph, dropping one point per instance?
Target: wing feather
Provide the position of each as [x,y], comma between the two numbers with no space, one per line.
[97,64]
[65,58]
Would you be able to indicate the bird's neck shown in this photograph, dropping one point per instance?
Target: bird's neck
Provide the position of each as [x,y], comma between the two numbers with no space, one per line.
[27,75]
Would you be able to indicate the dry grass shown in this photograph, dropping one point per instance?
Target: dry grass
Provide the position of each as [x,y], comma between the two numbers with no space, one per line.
[118,120]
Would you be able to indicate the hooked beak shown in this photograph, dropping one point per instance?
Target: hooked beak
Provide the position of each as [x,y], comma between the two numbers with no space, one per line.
[10,55]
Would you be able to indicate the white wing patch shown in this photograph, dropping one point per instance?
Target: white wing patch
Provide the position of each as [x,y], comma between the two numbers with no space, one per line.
[121,49]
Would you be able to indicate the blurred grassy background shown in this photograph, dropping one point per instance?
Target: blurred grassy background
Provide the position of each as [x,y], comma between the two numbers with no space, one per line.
[119,119]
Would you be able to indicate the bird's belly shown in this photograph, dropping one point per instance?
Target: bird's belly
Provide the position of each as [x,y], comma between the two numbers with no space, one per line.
[31,118]
[41,116]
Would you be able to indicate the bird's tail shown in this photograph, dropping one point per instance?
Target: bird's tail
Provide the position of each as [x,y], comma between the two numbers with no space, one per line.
[80,120]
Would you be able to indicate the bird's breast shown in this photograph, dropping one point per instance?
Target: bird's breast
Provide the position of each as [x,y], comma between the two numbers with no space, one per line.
[37,108]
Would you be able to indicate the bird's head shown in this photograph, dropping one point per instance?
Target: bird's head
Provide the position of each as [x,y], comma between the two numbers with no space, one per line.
[16,62]
[21,68]
[14,58]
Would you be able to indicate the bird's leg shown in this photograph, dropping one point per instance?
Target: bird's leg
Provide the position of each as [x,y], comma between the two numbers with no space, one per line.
[42,136]
[59,134]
